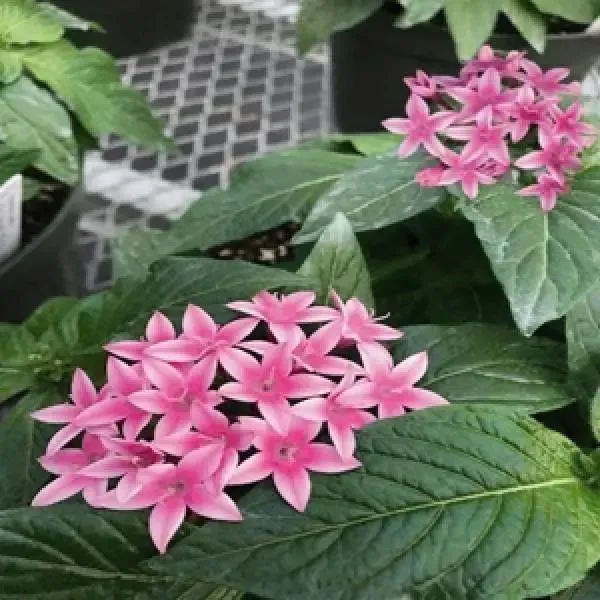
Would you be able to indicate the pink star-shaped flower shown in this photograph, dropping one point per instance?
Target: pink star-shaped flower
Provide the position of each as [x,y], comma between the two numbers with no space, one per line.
[283,314]
[422,85]
[484,138]
[159,329]
[201,337]
[548,83]
[359,325]
[68,464]
[391,387]
[486,59]
[179,397]
[463,169]
[342,415]
[86,402]
[270,383]
[288,457]
[527,111]
[547,188]
[568,124]
[420,128]
[557,155]
[430,176]
[172,489]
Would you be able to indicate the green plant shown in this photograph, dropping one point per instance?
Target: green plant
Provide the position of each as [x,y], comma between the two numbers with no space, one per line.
[56,100]
[470,22]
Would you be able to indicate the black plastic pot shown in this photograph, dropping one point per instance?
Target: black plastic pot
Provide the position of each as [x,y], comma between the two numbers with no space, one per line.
[132,26]
[370,61]
[37,273]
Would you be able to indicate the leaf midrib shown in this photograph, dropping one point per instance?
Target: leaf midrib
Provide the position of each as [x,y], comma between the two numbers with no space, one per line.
[402,511]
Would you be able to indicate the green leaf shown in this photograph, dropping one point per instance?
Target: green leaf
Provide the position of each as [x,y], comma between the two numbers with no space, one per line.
[544,261]
[418,11]
[337,263]
[22,442]
[31,118]
[16,346]
[265,193]
[579,11]
[14,161]
[471,23]
[48,314]
[490,364]
[588,589]
[380,191]
[11,65]
[136,249]
[465,495]
[88,82]
[318,19]
[528,21]
[66,19]
[583,345]
[23,22]
[73,551]
[370,144]
[190,590]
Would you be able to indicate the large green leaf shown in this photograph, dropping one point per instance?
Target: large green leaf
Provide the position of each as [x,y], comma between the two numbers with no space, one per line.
[380,191]
[418,11]
[544,261]
[368,144]
[13,161]
[48,314]
[488,503]
[588,589]
[73,551]
[471,23]
[16,348]
[22,442]
[489,364]
[265,193]
[65,18]
[88,81]
[318,19]
[185,589]
[529,22]
[31,118]
[11,65]
[337,263]
[580,11]
[583,344]
[22,22]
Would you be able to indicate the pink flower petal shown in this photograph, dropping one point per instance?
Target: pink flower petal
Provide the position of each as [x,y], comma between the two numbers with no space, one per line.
[159,329]
[128,349]
[213,506]
[60,489]
[173,423]
[416,108]
[251,470]
[94,492]
[83,392]
[61,413]
[314,409]
[410,370]
[325,459]
[165,377]
[239,363]
[135,423]
[376,359]
[278,416]
[237,391]
[305,385]
[396,125]
[237,330]
[153,401]
[122,378]
[103,413]
[202,374]
[248,308]
[179,350]
[418,398]
[294,487]
[128,486]
[298,300]
[198,323]
[200,464]
[165,519]
[390,408]
[62,437]
[343,439]
[68,460]
[284,332]
[105,468]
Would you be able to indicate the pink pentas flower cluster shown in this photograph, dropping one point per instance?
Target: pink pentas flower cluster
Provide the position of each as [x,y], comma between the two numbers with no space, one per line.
[301,378]
[500,113]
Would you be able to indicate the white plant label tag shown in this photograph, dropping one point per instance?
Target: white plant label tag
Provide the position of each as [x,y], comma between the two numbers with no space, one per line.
[11,202]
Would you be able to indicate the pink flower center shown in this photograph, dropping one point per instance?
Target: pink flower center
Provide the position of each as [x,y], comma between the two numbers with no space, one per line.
[176,488]
[288,453]
[267,385]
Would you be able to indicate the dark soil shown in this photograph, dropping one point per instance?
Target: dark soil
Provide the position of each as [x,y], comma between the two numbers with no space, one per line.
[39,211]
[267,248]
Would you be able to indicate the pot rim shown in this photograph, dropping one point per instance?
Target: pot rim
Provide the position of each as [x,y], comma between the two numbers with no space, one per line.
[60,216]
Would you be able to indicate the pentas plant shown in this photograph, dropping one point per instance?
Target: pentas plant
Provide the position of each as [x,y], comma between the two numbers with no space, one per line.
[501,114]
[159,434]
